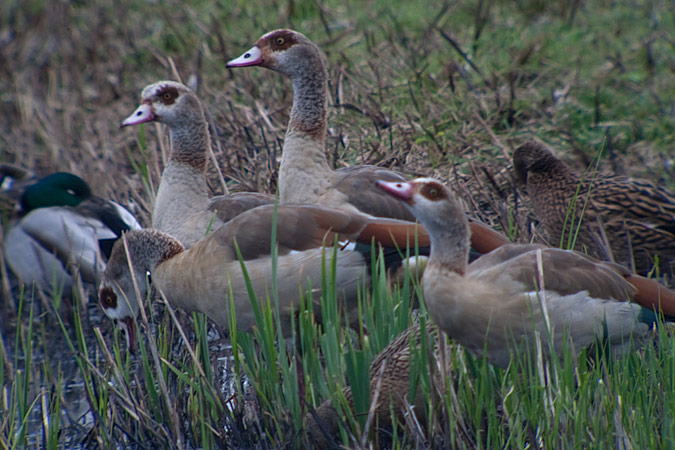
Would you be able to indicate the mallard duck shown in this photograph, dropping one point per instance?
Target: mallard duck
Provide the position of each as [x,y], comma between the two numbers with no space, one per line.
[497,304]
[201,278]
[183,208]
[63,229]
[629,221]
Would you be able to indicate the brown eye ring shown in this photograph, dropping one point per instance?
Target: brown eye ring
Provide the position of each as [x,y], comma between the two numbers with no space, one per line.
[107,298]
[433,192]
[166,96]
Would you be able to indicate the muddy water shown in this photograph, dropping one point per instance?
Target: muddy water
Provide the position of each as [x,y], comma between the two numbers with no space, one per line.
[52,361]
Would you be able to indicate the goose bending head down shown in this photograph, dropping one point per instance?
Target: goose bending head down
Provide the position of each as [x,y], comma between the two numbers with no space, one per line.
[498,302]
[201,278]
[183,207]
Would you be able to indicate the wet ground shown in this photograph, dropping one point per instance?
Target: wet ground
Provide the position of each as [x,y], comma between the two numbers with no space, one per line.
[50,365]
[43,355]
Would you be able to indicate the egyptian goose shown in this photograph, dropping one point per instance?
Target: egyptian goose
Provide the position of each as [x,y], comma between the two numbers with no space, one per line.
[305,175]
[499,298]
[625,220]
[183,208]
[64,228]
[199,279]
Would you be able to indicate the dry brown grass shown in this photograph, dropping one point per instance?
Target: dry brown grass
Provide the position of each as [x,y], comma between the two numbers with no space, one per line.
[71,75]
[401,96]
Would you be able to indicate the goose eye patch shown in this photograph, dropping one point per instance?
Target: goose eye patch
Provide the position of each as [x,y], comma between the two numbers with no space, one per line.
[283,42]
[168,95]
[107,298]
[432,192]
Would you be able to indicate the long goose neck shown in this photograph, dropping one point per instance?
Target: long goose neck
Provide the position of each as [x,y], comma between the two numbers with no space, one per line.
[304,171]
[450,234]
[190,143]
[308,114]
[183,190]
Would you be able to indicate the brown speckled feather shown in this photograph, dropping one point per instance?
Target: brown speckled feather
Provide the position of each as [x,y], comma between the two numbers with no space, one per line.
[637,217]
[390,369]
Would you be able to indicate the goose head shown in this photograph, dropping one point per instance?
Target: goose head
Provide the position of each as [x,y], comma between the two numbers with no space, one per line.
[117,291]
[285,51]
[120,309]
[57,189]
[438,210]
[430,201]
[168,102]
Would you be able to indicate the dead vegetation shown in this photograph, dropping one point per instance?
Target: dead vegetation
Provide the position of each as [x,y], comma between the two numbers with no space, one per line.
[447,93]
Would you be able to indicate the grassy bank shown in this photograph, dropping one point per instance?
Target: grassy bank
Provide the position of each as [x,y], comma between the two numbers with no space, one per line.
[447,89]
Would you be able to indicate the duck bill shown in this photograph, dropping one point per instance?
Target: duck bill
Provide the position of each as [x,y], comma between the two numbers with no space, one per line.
[129,327]
[252,57]
[398,189]
[143,113]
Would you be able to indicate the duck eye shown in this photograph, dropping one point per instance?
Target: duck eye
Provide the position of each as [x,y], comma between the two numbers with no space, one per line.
[279,41]
[433,192]
[166,96]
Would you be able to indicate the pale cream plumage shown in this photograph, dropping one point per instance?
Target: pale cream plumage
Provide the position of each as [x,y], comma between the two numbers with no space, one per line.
[183,207]
[202,277]
[305,175]
[498,303]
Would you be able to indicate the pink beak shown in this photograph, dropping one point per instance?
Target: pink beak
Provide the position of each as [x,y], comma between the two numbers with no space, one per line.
[143,113]
[399,189]
[127,324]
[253,57]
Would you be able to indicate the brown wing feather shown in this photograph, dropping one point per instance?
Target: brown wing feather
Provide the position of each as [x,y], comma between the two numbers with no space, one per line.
[565,272]
[484,239]
[298,228]
[358,185]
[227,207]
[395,233]
[653,295]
